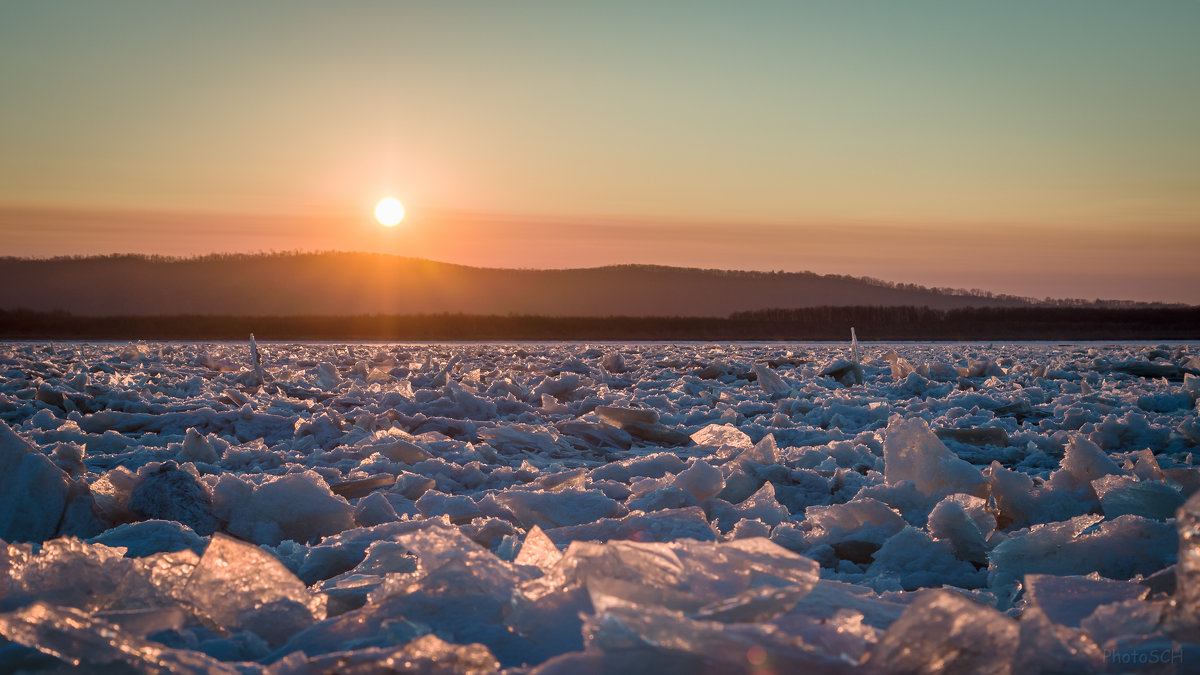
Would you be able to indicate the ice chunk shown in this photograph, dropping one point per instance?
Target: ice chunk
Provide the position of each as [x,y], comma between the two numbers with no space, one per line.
[402,451]
[460,590]
[747,580]
[651,571]
[866,519]
[1150,370]
[669,525]
[459,508]
[1146,466]
[68,572]
[1083,463]
[151,536]
[169,493]
[623,417]
[378,375]
[112,491]
[514,439]
[84,641]
[1117,549]
[33,491]
[828,597]
[1012,492]
[342,552]
[902,368]
[537,550]
[385,557]
[327,376]
[846,372]
[374,509]
[198,448]
[596,434]
[1068,600]
[741,481]
[135,352]
[700,479]
[467,404]
[1166,402]
[553,622]
[912,452]
[770,381]
[81,518]
[1187,593]
[765,451]
[919,561]
[553,406]
[749,528]
[1019,504]
[966,523]
[1046,647]
[761,505]
[69,458]
[659,498]
[296,506]
[439,548]
[723,435]
[650,466]
[1122,620]
[613,362]
[562,387]
[946,632]
[425,654]
[844,633]
[1122,495]
[658,640]
[240,586]
[354,489]
[656,433]
[557,509]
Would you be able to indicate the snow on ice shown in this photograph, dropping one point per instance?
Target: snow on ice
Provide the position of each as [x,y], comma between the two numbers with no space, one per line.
[557,508]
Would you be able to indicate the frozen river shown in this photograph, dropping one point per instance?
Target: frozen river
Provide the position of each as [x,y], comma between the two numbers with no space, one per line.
[576,507]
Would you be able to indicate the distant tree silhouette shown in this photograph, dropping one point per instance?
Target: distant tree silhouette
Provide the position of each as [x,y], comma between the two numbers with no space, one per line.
[809,323]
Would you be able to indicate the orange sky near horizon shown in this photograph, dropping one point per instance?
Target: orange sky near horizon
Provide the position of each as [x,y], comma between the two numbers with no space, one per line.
[1157,263]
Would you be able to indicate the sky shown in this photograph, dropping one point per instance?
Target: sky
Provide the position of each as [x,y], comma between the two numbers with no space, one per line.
[1044,149]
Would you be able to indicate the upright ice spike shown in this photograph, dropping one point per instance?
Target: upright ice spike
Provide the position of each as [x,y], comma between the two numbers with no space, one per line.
[857,368]
[256,358]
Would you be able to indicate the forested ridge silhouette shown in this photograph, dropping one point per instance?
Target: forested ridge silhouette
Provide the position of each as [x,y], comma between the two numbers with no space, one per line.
[346,284]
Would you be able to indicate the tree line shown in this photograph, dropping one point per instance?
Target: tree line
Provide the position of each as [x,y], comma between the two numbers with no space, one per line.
[810,323]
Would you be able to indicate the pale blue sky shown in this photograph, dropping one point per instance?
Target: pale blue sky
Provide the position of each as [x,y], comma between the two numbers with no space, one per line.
[949,123]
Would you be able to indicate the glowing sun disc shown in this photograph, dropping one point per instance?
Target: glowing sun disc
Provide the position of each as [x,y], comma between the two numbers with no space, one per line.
[389,212]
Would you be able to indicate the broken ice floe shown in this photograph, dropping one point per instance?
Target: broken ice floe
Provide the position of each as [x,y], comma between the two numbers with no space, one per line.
[1007,508]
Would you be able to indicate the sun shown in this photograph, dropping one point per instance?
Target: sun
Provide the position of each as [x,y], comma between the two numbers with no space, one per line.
[389,212]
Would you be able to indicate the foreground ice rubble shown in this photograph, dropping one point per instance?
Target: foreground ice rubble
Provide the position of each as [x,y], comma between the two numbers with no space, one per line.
[304,508]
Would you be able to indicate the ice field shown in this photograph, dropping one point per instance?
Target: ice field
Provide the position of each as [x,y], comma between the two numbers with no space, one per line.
[575,508]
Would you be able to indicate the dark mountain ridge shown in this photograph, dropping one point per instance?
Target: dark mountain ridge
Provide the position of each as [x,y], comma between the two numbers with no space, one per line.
[340,284]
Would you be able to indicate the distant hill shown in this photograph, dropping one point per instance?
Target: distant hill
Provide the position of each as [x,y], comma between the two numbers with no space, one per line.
[340,284]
